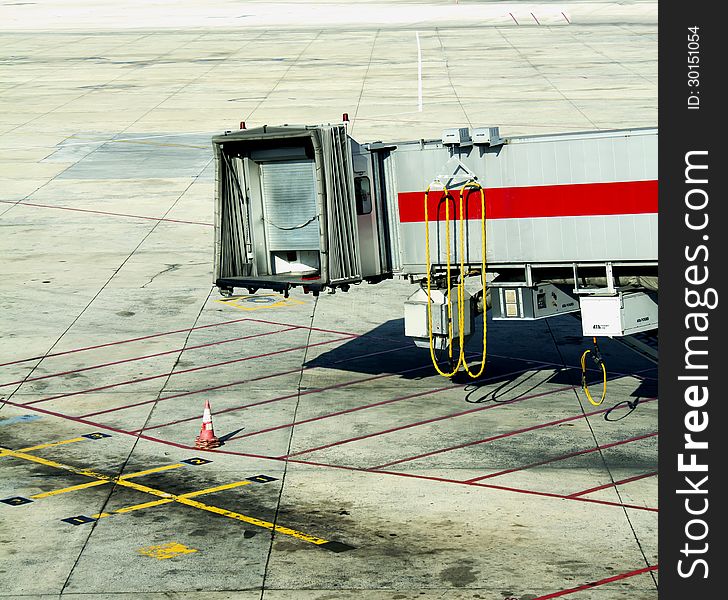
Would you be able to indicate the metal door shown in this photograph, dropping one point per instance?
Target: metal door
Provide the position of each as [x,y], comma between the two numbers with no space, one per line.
[289,205]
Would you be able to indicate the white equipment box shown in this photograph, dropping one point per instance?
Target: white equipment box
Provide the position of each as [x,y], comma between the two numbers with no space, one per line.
[455,135]
[624,314]
[416,321]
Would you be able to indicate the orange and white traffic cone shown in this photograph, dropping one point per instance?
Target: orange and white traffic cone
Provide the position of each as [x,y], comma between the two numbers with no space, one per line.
[207,438]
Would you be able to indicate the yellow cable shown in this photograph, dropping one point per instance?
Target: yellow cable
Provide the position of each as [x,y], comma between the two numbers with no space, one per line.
[461,283]
[583,380]
[461,289]
[429,299]
[447,262]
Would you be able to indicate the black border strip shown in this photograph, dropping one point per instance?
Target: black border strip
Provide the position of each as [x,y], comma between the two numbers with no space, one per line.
[691,134]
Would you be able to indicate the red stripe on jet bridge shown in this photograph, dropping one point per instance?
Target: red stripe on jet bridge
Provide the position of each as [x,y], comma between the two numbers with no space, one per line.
[573,200]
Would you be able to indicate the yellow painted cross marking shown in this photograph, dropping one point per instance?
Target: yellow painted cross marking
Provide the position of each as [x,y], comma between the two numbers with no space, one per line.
[153,503]
[259,301]
[167,497]
[83,486]
[166,550]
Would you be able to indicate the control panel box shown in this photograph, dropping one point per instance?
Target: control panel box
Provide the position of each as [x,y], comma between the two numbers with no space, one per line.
[530,303]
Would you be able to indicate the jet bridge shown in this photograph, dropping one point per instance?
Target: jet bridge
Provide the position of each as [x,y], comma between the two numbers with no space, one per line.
[530,226]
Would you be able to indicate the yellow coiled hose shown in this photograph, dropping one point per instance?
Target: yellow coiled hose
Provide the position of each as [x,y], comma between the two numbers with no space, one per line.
[461,283]
[600,362]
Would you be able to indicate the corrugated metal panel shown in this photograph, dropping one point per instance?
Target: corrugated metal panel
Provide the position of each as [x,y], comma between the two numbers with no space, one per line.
[289,198]
[344,262]
[232,230]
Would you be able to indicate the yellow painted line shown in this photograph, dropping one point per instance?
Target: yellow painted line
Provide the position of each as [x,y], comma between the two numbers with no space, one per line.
[51,444]
[172,498]
[252,521]
[143,505]
[55,465]
[73,488]
[219,488]
[155,470]
[100,515]
[145,488]
[8,452]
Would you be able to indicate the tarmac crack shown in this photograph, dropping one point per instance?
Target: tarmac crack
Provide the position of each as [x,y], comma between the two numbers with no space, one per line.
[603,458]
[449,77]
[551,83]
[288,449]
[364,80]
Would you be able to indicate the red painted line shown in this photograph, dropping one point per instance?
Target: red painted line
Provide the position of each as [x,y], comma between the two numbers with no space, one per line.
[190,393]
[151,377]
[372,405]
[562,457]
[567,18]
[369,354]
[535,19]
[593,584]
[294,395]
[501,436]
[314,328]
[514,18]
[572,200]
[127,341]
[341,412]
[426,421]
[232,384]
[512,489]
[527,360]
[269,401]
[608,485]
[106,213]
[136,358]
[315,464]
[562,366]
[432,420]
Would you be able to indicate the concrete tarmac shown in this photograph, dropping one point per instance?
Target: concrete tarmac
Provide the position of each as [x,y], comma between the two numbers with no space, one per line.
[381,479]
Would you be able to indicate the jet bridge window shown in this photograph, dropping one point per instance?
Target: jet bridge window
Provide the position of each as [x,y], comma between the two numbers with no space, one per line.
[363,195]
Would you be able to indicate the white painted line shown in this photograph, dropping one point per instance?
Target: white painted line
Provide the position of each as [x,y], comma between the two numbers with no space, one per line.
[419,72]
